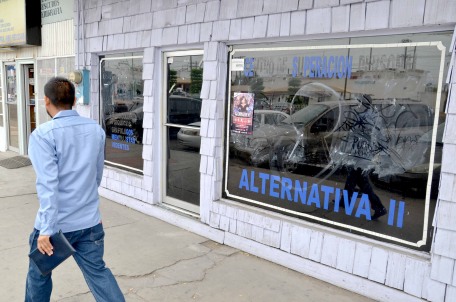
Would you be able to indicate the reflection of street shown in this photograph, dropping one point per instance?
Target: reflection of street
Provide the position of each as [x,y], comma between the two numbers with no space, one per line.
[130,158]
[183,181]
[412,224]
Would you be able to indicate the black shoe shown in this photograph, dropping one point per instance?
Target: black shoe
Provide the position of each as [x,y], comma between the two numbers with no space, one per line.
[379,213]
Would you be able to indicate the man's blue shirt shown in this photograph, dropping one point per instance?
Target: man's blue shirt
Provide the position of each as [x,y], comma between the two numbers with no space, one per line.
[67,154]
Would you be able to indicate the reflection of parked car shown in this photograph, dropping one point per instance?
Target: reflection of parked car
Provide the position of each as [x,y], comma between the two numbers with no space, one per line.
[190,137]
[283,106]
[179,91]
[414,180]
[261,101]
[267,117]
[261,105]
[338,133]
[126,126]
[182,111]
[121,106]
[261,119]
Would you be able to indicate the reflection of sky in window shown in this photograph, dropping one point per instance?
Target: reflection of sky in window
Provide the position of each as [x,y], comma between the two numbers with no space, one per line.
[279,63]
[427,58]
[122,81]
[384,73]
[183,65]
[126,70]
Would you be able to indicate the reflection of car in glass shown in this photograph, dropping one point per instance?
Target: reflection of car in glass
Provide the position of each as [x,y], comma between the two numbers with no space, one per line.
[179,91]
[414,180]
[121,106]
[261,101]
[338,132]
[190,137]
[283,106]
[182,111]
[261,105]
[262,119]
[126,126]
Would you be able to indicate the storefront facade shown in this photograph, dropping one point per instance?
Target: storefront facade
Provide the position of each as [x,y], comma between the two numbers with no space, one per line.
[315,134]
[25,65]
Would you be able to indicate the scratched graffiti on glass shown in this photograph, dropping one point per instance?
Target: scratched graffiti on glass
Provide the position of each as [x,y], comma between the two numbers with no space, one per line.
[382,135]
[347,138]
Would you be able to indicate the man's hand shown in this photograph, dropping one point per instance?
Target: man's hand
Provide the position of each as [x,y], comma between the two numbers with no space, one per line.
[44,245]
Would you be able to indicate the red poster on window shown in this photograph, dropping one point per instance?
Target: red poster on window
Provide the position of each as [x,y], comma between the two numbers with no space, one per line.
[242,113]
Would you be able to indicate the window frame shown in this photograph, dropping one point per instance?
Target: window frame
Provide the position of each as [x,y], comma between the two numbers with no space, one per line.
[113,57]
[345,227]
[2,98]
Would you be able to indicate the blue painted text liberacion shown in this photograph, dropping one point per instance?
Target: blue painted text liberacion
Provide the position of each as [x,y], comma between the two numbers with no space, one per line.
[329,67]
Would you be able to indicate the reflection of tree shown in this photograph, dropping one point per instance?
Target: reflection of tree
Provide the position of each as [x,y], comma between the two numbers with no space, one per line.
[240,79]
[256,85]
[196,80]
[172,77]
[294,84]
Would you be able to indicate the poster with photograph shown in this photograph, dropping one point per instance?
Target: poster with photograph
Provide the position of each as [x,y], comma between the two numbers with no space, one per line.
[242,113]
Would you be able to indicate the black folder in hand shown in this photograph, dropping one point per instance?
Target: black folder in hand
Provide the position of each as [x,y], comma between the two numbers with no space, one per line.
[62,250]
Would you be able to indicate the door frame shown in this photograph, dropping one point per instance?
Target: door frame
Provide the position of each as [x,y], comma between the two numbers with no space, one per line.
[26,112]
[6,112]
[174,203]
[3,129]
[22,107]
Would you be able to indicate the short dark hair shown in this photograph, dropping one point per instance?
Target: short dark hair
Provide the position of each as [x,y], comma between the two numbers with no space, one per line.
[60,91]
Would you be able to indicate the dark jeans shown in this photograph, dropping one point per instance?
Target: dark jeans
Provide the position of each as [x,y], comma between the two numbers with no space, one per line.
[360,178]
[89,246]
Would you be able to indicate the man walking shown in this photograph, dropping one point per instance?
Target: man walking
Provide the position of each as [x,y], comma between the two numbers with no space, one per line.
[67,154]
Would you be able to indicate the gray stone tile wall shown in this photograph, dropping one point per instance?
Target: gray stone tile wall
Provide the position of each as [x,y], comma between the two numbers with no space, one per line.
[132,25]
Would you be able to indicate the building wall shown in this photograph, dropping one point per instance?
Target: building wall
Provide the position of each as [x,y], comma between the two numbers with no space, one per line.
[382,271]
[443,253]
[57,41]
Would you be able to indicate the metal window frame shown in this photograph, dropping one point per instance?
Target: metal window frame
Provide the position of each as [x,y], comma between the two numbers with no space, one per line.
[168,200]
[436,44]
[117,165]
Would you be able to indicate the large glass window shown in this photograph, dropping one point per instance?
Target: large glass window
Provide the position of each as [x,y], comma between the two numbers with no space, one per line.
[121,87]
[360,146]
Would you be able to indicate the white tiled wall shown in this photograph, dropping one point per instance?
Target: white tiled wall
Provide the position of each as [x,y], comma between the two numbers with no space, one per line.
[377,270]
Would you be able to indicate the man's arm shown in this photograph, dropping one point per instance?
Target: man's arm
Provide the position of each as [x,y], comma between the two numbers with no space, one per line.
[44,160]
[100,159]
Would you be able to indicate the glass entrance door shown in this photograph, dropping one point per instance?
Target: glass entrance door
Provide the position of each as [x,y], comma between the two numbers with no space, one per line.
[11,108]
[182,104]
[29,97]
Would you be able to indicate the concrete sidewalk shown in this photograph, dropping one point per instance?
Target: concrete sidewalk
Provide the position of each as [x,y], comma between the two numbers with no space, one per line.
[152,260]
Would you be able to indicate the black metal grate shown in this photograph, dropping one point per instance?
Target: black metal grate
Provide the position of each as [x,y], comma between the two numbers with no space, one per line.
[15,162]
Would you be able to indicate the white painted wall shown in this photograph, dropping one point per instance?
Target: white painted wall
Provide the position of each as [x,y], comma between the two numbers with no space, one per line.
[381,271]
